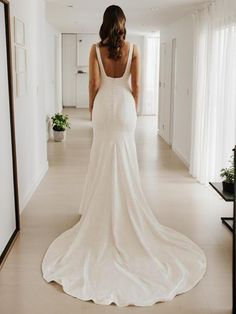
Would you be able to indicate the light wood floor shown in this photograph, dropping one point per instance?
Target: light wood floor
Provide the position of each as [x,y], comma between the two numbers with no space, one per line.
[175,197]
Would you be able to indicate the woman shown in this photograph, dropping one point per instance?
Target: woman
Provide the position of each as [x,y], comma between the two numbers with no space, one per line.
[112,48]
[118,252]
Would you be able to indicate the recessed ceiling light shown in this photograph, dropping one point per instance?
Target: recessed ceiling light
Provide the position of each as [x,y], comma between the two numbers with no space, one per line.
[70,6]
[154,9]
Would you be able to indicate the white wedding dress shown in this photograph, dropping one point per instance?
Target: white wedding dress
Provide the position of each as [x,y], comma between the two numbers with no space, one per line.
[118,251]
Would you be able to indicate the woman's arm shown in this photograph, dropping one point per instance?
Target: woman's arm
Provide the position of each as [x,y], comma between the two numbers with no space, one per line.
[94,77]
[135,75]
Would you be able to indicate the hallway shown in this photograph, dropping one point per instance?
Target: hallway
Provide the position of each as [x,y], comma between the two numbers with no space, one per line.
[176,198]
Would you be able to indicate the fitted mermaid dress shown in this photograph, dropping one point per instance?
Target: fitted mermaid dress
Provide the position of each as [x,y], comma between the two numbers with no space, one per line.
[118,251]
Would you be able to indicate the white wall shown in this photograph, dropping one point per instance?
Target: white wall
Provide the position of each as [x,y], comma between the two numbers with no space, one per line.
[139,41]
[58,107]
[31,109]
[52,74]
[182,30]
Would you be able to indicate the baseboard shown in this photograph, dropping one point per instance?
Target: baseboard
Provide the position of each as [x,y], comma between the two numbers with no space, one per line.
[181,157]
[34,186]
[147,114]
[162,136]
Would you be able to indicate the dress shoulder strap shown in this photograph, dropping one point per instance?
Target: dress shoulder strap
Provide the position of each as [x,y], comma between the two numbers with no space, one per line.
[99,59]
[130,57]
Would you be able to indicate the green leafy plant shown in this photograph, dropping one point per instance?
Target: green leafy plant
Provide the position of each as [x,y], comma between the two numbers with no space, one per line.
[60,122]
[228,173]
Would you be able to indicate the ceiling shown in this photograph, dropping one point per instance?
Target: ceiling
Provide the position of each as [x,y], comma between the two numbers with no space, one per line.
[143,16]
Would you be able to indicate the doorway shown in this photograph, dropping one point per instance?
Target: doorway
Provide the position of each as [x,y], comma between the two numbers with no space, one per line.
[162,85]
[173,89]
[150,89]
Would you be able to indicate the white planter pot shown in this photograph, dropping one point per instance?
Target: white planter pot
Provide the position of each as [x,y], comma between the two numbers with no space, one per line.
[59,136]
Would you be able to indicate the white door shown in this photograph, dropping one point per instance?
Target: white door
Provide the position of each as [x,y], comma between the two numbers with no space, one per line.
[7,203]
[173,89]
[69,70]
[58,74]
[82,88]
[84,43]
[75,60]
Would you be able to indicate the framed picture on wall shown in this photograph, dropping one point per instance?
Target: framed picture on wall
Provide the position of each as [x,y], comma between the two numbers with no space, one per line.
[19,32]
[20,83]
[20,59]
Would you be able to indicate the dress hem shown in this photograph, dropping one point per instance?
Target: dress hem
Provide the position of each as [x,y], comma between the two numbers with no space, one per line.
[115,302]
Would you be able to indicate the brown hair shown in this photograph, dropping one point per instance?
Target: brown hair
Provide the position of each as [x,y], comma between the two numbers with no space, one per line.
[113,29]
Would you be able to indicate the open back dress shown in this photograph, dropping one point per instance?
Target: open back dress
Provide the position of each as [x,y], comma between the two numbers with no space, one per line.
[118,251]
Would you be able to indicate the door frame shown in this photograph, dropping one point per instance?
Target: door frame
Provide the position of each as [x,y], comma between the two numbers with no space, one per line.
[12,124]
[172,89]
[162,96]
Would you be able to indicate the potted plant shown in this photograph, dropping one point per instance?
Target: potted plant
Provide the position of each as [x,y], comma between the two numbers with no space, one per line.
[228,174]
[59,124]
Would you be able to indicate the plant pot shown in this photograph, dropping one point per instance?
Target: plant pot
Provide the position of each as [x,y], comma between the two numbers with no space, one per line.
[59,136]
[228,187]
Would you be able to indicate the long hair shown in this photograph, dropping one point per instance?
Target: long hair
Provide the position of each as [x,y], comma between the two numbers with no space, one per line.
[113,30]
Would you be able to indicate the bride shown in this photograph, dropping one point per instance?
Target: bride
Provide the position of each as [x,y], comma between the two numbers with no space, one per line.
[118,252]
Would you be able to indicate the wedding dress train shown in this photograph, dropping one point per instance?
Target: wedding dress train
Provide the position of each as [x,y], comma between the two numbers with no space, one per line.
[118,251]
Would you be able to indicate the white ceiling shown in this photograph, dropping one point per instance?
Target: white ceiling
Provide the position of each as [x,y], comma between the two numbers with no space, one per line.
[142,15]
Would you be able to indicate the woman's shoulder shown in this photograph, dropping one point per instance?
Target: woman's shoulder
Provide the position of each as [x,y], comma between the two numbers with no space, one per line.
[126,42]
[94,45]
[135,47]
[93,48]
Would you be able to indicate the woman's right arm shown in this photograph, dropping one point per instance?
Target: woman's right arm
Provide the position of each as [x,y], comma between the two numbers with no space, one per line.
[135,75]
[94,77]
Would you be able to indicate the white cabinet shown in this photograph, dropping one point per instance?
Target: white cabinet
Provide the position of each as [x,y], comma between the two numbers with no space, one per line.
[75,59]
[84,43]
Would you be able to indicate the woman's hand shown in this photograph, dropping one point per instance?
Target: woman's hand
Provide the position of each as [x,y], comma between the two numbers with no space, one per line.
[90,111]
[135,102]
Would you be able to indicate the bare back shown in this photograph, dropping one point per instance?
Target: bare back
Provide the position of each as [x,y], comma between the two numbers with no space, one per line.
[115,68]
